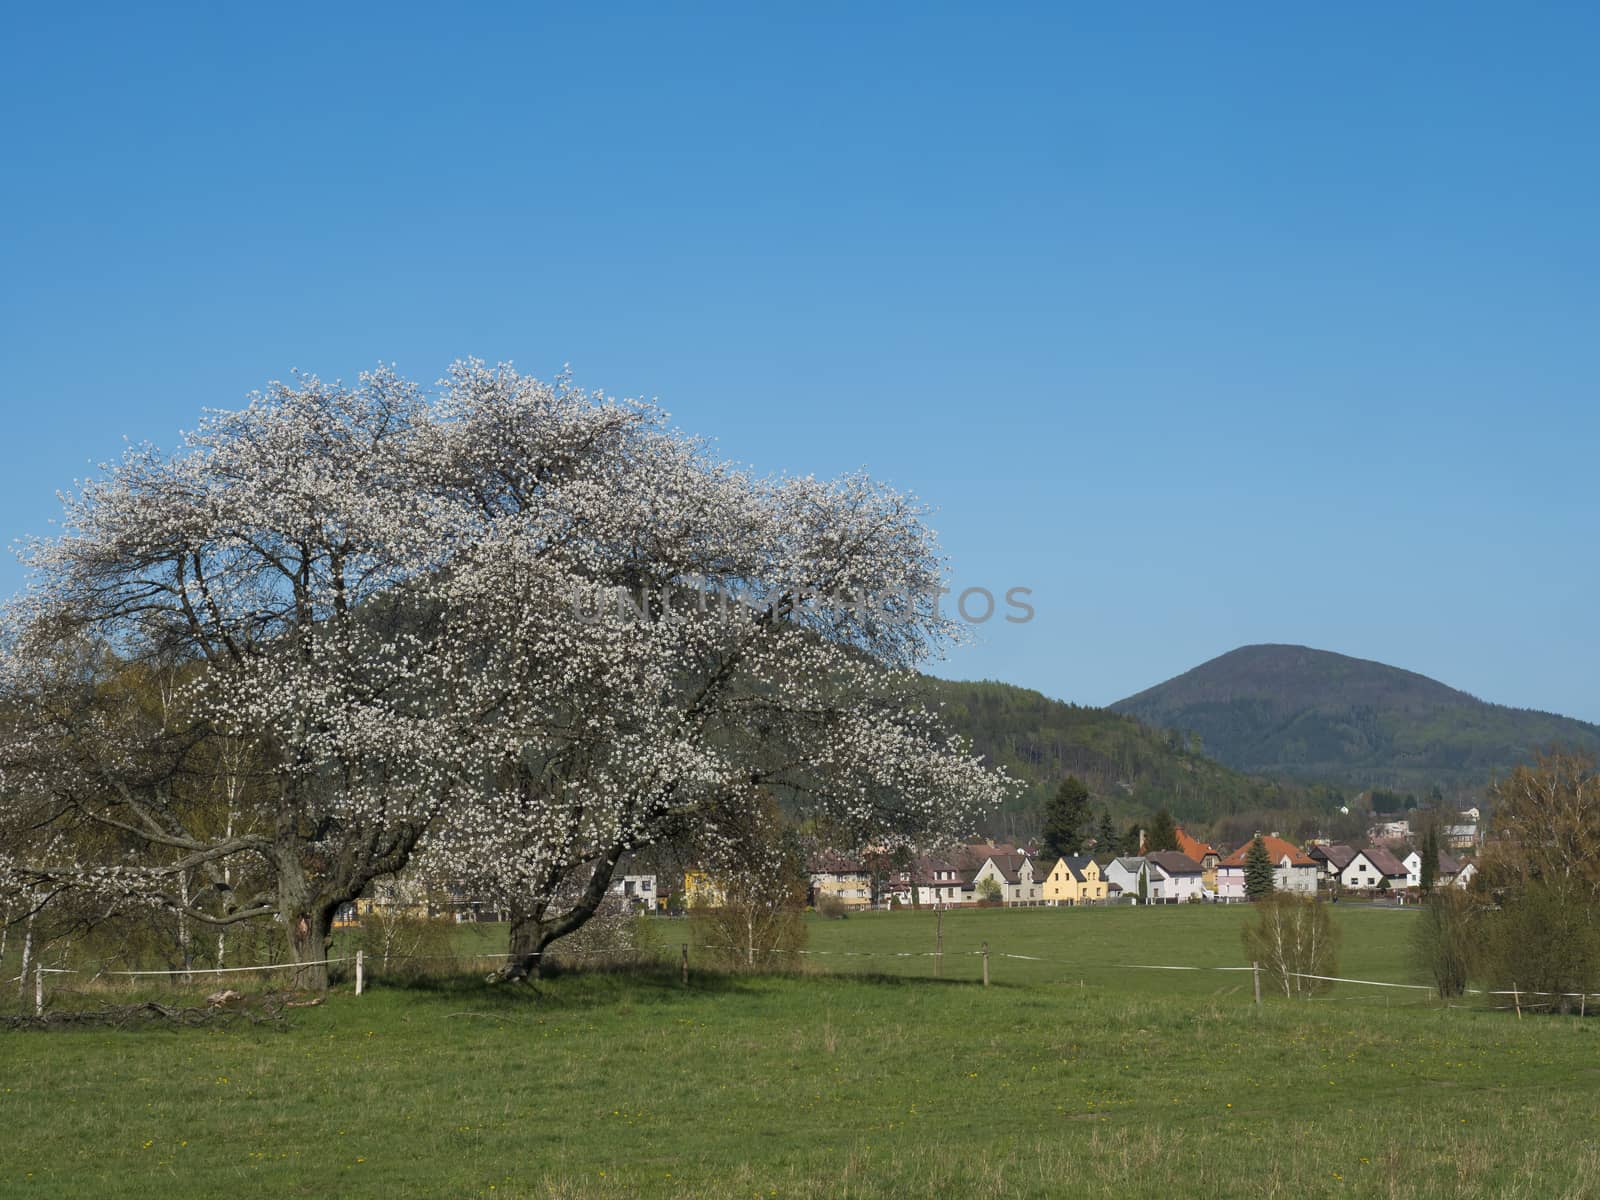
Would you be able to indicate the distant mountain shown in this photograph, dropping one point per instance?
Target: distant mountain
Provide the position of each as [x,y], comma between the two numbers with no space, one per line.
[1317,715]
[1130,768]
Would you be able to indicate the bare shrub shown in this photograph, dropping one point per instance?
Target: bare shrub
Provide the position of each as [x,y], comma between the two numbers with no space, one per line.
[1293,939]
[759,924]
[400,944]
[832,908]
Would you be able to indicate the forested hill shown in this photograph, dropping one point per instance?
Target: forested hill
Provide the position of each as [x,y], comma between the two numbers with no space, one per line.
[1318,715]
[1132,769]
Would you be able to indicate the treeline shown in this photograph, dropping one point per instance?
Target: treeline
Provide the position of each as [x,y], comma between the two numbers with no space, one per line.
[1526,935]
[1130,768]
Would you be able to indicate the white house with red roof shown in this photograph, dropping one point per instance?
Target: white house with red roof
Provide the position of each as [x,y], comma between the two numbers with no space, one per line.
[1293,870]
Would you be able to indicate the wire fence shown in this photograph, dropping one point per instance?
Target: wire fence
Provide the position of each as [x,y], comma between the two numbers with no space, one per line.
[363,964]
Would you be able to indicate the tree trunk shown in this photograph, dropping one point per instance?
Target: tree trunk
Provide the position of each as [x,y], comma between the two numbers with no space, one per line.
[185,954]
[529,937]
[532,934]
[27,954]
[310,939]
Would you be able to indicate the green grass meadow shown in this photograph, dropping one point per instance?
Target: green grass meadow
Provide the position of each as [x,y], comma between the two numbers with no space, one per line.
[1073,1074]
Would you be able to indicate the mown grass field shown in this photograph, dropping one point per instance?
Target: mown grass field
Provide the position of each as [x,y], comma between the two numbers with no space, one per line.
[1074,1075]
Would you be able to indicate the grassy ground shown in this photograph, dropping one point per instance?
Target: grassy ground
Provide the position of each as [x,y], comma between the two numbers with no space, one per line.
[1068,1075]
[1111,948]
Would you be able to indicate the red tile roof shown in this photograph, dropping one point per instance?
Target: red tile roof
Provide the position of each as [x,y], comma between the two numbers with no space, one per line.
[1277,849]
[1196,850]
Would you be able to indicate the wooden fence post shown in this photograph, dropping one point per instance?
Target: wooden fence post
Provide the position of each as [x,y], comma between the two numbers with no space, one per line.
[1255,973]
[938,942]
[986,964]
[1516,999]
[360,971]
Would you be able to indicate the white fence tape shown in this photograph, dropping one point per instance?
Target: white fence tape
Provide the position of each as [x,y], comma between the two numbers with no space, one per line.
[317,962]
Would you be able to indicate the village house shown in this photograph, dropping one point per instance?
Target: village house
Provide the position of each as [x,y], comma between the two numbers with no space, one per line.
[1074,880]
[1373,869]
[1123,874]
[1014,873]
[1180,877]
[1449,868]
[1293,870]
[941,882]
[837,877]
[700,889]
[637,890]
[1203,853]
[1467,833]
[1465,876]
[1333,858]
[1389,831]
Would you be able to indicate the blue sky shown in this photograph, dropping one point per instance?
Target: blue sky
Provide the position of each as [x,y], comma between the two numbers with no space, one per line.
[1212,325]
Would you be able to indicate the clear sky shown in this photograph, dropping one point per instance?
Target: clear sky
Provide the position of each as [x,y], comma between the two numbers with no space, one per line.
[1212,324]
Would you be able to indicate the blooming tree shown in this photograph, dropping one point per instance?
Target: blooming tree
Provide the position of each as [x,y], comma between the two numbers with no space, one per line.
[518,628]
[694,639]
[274,583]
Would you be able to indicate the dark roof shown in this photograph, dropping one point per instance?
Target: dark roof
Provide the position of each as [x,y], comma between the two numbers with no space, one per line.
[1070,863]
[924,870]
[1174,862]
[1338,855]
[1009,865]
[1447,865]
[1386,863]
[831,862]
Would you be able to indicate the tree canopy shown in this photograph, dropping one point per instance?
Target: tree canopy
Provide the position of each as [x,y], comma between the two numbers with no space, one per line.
[510,631]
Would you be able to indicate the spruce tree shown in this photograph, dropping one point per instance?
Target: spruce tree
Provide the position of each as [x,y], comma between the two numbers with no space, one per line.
[1258,878]
[1163,833]
[1066,814]
[1105,841]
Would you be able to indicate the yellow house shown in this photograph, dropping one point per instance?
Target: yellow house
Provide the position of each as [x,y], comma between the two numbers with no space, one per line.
[700,888]
[1075,880]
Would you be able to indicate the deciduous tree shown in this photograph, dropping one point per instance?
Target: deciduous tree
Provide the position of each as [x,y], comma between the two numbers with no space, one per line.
[523,629]
[1293,940]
